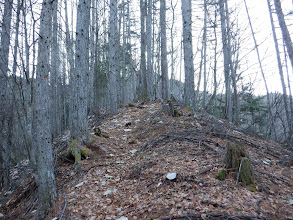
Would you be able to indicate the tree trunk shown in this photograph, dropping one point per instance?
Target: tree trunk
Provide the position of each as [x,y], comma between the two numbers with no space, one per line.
[284,29]
[273,127]
[114,68]
[42,135]
[55,121]
[80,78]
[4,95]
[228,96]
[204,99]
[280,71]
[142,77]
[189,94]
[149,36]
[164,64]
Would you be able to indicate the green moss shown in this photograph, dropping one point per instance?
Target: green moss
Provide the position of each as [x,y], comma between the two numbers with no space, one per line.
[74,148]
[246,173]
[252,188]
[221,174]
[84,152]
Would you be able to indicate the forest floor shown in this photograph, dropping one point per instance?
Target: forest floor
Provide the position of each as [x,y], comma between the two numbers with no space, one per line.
[125,173]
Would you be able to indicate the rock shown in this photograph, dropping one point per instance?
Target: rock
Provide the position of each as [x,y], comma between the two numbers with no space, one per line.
[78,185]
[122,218]
[290,201]
[108,192]
[1,215]
[171,176]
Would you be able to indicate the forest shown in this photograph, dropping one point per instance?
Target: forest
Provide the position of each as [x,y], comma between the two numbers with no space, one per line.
[149,109]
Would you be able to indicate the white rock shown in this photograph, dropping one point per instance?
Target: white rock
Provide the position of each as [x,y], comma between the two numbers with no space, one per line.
[171,176]
[108,192]
[78,185]
[122,218]
[56,218]
[128,129]
[290,201]
[1,215]
[133,151]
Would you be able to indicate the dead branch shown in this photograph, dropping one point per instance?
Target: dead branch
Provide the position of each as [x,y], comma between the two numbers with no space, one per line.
[199,216]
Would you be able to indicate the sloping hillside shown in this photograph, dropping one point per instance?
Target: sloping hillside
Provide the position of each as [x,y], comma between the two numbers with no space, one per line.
[125,173]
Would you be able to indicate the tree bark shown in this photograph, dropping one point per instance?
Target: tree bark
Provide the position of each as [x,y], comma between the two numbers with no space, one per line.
[228,96]
[4,95]
[42,135]
[79,106]
[149,36]
[284,29]
[189,93]
[114,68]
[164,64]
[280,72]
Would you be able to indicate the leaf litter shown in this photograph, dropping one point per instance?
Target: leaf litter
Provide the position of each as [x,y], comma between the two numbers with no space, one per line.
[125,174]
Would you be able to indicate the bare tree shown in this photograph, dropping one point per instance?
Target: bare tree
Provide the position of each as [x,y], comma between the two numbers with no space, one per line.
[225,33]
[143,71]
[4,95]
[149,37]
[80,79]
[164,64]
[286,106]
[114,68]
[284,29]
[42,135]
[273,127]
[189,93]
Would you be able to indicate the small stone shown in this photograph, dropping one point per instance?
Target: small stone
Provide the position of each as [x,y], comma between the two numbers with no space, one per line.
[290,201]
[122,218]
[78,185]
[127,129]
[108,192]
[171,176]
[1,215]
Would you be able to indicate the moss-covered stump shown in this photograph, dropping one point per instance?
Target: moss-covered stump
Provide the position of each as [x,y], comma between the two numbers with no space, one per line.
[237,160]
[232,156]
[76,152]
[245,171]
[221,174]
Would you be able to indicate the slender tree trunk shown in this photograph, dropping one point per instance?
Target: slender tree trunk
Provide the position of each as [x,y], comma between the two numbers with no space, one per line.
[228,96]
[42,135]
[54,73]
[204,100]
[93,48]
[189,93]
[114,68]
[236,110]
[280,70]
[164,64]
[284,29]
[273,127]
[143,72]
[149,49]
[4,95]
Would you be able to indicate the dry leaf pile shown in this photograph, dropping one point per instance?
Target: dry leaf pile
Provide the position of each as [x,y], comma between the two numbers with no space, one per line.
[125,174]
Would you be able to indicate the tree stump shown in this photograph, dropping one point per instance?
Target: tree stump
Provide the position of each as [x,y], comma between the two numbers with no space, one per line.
[237,160]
